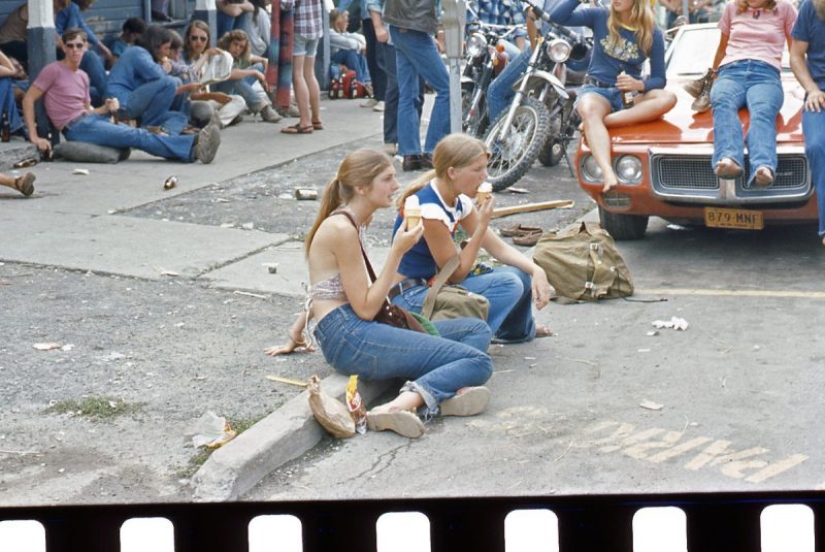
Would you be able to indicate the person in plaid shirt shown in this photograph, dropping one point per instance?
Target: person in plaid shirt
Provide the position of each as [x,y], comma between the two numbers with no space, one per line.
[309,28]
[501,12]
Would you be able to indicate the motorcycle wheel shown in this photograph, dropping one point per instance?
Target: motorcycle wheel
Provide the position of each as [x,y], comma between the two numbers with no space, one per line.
[511,159]
[551,153]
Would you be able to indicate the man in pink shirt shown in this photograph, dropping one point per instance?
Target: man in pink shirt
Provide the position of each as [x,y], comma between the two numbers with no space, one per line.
[748,63]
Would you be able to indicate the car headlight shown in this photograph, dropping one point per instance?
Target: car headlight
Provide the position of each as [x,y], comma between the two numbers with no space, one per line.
[558,50]
[476,45]
[629,169]
[590,171]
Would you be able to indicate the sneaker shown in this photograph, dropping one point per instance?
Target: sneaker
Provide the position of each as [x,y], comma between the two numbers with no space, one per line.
[402,422]
[468,401]
[207,142]
[390,149]
[379,107]
[370,102]
[269,114]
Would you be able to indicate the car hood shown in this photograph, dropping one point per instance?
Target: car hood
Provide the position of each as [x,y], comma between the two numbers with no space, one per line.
[682,125]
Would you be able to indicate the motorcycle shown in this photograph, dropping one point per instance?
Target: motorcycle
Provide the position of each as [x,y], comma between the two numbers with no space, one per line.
[541,121]
[485,58]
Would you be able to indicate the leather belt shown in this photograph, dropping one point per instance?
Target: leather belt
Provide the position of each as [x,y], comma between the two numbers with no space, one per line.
[68,125]
[598,84]
[404,285]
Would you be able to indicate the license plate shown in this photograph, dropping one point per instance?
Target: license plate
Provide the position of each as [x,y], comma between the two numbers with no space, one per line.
[742,219]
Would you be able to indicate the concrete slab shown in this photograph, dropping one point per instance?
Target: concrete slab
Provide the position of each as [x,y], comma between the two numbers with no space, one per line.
[127,246]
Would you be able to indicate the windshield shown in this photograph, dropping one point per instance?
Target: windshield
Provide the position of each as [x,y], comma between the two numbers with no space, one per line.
[692,49]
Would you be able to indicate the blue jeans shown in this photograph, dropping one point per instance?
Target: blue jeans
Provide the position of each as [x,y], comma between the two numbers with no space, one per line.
[417,55]
[757,86]
[385,56]
[814,131]
[500,92]
[97,129]
[510,293]
[150,102]
[243,88]
[226,23]
[437,367]
[355,61]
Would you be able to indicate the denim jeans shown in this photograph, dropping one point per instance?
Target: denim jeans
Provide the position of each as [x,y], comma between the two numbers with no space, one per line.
[814,132]
[500,92]
[150,102]
[385,56]
[226,23]
[243,88]
[417,55]
[437,367]
[757,86]
[97,129]
[510,293]
[355,61]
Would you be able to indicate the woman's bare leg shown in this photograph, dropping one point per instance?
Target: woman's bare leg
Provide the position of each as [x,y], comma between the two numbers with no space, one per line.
[647,107]
[594,110]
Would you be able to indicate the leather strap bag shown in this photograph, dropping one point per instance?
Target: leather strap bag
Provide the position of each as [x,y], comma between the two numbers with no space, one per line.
[390,314]
[452,301]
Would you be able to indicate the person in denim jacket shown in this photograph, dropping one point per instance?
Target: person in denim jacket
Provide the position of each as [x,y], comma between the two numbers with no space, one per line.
[444,373]
[808,64]
[142,85]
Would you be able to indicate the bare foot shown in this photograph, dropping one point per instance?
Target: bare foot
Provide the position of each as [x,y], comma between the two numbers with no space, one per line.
[544,331]
[763,177]
[290,347]
[609,184]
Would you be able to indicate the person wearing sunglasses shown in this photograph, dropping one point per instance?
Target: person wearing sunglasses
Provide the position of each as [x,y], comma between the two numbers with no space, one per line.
[64,88]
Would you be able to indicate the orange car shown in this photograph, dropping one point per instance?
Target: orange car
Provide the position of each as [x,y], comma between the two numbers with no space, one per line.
[664,167]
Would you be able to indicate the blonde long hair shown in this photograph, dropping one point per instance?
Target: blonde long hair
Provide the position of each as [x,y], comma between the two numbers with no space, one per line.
[454,150]
[641,19]
[358,169]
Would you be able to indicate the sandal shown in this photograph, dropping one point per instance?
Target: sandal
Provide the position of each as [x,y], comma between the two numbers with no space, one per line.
[297,129]
[468,401]
[544,331]
[25,184]
[403,422]
[528,240]
[518,230]
[317,125]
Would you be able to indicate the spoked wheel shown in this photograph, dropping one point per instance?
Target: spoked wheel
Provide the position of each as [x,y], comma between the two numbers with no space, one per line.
[511,158]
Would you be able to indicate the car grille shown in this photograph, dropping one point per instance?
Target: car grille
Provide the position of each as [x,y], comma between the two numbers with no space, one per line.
[689,177]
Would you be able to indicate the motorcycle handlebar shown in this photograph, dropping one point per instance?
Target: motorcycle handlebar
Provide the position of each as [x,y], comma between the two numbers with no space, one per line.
[545,17]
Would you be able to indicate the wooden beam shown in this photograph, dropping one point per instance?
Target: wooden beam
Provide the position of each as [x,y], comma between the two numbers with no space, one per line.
[531,207]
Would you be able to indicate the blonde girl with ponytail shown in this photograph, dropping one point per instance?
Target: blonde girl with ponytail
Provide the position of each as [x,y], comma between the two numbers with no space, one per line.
[443,374]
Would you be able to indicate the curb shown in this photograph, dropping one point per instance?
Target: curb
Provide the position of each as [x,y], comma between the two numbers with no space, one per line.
[284,435]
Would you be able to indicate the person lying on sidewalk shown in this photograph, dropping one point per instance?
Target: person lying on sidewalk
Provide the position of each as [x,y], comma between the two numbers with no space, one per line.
[443,374]
[64,88]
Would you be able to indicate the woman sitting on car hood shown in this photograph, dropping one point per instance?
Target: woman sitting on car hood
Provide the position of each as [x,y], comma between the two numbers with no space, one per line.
[625,35]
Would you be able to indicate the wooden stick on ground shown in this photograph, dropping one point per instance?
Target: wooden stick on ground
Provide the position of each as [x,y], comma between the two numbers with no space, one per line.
[531,207]
[280,379]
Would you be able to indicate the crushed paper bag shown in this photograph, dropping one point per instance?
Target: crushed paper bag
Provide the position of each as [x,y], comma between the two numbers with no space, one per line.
[212,431]
[332,414]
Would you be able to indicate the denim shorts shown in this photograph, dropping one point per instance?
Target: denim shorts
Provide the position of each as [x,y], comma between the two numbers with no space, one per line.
[302,46]
[612,95]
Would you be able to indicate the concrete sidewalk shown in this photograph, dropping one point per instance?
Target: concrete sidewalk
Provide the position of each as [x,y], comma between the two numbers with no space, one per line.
[79,222]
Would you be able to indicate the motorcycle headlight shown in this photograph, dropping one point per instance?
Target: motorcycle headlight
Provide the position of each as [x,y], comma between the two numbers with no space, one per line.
[558,50]
[629,169]
[476,45]
[590,171]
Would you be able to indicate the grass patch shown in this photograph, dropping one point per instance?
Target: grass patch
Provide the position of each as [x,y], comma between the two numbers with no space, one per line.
[202,454]
[99,409]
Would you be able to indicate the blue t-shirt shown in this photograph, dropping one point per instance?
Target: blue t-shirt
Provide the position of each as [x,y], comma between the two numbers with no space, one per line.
[418,262]
[811,29]
[625,56]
